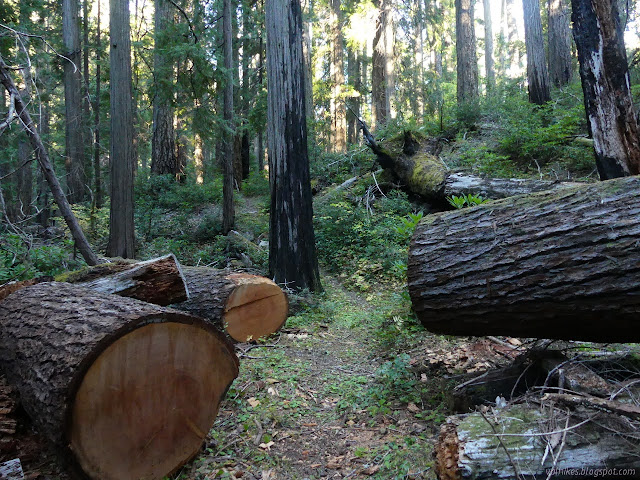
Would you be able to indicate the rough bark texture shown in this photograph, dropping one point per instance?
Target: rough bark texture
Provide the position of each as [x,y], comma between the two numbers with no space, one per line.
[121,226]
[560,71]
[511,444]
[605,83]
[126,376]
[74,123]
[549,265]
[228,209]
[47,169]
[292,254]
[338,106]
[246,307]
[97,170]
[537,73]
[488,47]
[163,147]
[467,62]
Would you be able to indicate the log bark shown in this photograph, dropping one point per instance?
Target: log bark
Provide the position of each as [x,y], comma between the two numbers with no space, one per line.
[511,444]
[551,265]
[247,307]
[128,388]
[413,161]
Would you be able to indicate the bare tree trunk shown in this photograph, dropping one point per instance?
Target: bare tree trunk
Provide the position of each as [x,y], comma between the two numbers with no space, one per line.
[74,124]
[605,83]
[121,226]
[382,65]
[47,168]
[537,74]
[97,172]
[488,47]
[560,71]
[43,192]
[163,148]
[228,210]
[307,39]
[308,99]
[292,254]
[338,108]
[467,67]
[24,179]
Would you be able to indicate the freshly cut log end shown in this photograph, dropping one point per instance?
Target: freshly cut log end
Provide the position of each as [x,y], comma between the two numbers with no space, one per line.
[558,265]
[247,307]
[130,388]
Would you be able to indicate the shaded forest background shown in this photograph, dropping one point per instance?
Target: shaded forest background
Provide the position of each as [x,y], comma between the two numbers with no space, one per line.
[394,64]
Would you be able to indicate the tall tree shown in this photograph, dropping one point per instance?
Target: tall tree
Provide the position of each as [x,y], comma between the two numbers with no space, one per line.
[121,226]
[488,47]
[382,69]
[97,172]
[605,83]
[560,70]
[337,103]
[163,147]
[292,250]
[74,122]
[467,66]
[228,209]
[537,73]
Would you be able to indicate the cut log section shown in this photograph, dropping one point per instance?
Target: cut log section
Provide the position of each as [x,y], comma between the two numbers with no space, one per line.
[130,388]
[549,265]
[247,307]
[411,159]
[528,442]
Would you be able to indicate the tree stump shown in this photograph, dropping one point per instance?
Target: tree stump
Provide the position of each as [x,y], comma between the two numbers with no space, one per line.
[247,307]
[549,265]
[129,388]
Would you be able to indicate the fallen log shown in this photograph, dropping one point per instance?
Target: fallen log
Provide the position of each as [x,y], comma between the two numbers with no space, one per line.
[524,441]
[247,307]
[550,265]
[128,388]
[412,160]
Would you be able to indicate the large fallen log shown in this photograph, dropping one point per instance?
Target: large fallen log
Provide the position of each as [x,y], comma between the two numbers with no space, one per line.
[549,265]
[525,441]
[247,307]
[129,388]
[413,161]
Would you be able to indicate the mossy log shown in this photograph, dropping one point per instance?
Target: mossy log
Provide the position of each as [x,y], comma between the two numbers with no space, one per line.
[127,388]
[412,160]
[549,265]
[526,441]
[247,307]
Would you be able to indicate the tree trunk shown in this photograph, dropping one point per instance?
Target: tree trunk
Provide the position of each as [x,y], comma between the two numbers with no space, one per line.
[382,65]
[551,265]
[337,101]
[97,171]
[307,52]
[121,226]
[163,147]
[47,169]
[467,62]
[228,209]
[246,307]
[136,391]
[560,71]
[74,122]
[605,83]
[292,255]
[513,443]
[24,179]
[537,74]
[43,192]
[488,47]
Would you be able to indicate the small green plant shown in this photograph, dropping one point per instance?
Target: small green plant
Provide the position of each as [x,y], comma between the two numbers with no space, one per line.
[468,200]
[409,224]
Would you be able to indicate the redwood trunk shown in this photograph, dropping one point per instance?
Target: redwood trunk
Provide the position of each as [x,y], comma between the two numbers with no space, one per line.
[247,307]
[560,70]
[136,391]
[537,73]
[467,62]
[550,265]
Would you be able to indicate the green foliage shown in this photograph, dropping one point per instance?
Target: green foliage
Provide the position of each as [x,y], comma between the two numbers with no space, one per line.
[256,185]
[468,200]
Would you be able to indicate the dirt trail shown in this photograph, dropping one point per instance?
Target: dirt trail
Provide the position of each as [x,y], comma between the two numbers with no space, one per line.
[300,409]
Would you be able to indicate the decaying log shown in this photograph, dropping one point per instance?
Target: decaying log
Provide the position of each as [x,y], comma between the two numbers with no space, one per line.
[413,161]
[549,265]
[11,470]
[527,442]
[130,389]
[247,307]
